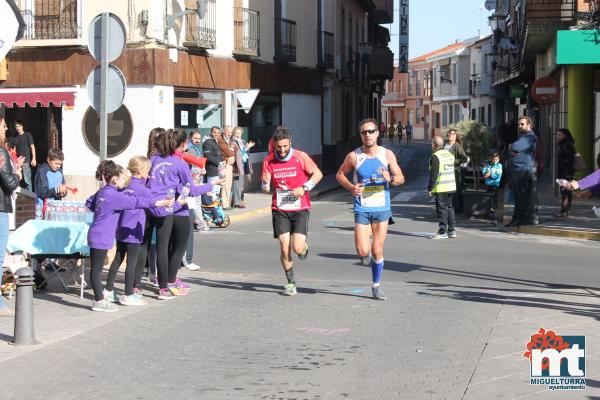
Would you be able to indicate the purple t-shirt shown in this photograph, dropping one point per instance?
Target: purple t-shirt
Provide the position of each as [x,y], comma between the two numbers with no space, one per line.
[106,205]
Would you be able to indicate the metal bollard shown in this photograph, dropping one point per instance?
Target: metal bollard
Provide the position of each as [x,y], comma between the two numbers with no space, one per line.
[24,335]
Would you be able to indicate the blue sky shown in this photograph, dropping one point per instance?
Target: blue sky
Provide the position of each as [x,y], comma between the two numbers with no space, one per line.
[434,24]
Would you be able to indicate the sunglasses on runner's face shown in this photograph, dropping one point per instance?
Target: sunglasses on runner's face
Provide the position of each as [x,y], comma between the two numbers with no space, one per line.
[369,131]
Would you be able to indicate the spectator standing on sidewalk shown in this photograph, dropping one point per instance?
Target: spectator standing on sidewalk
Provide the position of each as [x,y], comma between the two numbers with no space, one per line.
[214,158]
[9,181]
[454,146]
[229,156]
[443,186]
[565,167]
[523,179]
[242,165]
[195,148]
[25,148]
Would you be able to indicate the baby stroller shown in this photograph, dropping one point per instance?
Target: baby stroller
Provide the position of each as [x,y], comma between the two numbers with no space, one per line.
[212,211]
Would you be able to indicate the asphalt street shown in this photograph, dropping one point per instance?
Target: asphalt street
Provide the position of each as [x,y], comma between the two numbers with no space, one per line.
[457,318]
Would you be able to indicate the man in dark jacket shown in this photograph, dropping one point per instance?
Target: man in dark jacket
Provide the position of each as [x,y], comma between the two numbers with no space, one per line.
[214,158]
[523,175]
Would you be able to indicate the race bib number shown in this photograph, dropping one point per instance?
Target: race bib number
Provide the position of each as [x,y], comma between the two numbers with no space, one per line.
[373,196]
[287,201]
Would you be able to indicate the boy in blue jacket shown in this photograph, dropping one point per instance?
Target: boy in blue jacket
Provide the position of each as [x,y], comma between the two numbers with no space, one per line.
[492,172]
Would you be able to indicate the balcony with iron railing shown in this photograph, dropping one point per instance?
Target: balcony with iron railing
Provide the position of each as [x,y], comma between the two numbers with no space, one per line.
[326,49]
[285,40]
[201,26]
[246,24]
[394,97]
[51,19]
[506,67]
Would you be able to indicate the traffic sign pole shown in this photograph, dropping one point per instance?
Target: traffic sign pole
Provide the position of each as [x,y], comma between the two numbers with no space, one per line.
[103,79]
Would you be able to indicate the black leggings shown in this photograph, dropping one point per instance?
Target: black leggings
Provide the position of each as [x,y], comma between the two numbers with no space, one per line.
[143,252]
[132,250]
[172,233]
[97,257]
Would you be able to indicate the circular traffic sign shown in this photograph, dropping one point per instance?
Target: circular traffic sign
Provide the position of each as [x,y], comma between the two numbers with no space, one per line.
[115,88]
[545,91]
[115,36]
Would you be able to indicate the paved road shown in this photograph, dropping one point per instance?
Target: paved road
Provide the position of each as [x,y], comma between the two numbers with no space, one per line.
[455,325]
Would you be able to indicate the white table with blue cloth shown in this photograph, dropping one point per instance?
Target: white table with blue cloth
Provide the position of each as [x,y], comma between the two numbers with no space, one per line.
[43,239]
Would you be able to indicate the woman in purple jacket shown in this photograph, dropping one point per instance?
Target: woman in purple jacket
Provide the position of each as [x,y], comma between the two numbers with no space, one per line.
[170,172]
[106,205]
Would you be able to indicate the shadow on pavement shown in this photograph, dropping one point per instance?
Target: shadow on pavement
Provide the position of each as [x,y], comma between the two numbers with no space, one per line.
[262,287]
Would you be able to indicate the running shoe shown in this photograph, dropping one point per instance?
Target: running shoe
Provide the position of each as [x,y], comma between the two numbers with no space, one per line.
[191,266]
[110,296]
[366,260]
[165,294]
[304,254]
[177,291]
[104,306]
[289,289]
[137,293]
[132,300]
[154,282]
[452,234]
[181,284]
[377,293]
[440,236]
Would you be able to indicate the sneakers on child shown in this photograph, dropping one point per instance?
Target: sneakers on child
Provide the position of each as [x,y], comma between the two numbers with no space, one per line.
[137,293]
[452,234]
[154,282]
[304,254]
[177,291]
[289,289]
[110,296]
[181,284]
[104,306]
[132,300]
[440,236]
[165,294]
[377,293]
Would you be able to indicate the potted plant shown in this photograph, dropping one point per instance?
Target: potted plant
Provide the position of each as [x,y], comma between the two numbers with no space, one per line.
[477,142]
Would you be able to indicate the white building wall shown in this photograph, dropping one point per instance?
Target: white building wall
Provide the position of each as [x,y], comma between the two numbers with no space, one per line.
[301,113]
[224,47]
[149,106]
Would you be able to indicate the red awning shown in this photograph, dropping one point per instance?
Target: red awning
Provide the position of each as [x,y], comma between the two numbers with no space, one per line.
[38,96]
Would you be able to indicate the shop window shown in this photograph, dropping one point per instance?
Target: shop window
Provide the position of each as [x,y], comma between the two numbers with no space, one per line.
[261,122]
[120,130]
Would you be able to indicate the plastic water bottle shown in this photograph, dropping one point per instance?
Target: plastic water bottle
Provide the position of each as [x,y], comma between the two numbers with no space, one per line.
[185,192]
[170,196]
[39,211]
[562,182]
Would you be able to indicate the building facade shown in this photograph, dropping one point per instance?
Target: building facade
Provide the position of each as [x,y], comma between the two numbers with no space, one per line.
[546,69]
[184,63]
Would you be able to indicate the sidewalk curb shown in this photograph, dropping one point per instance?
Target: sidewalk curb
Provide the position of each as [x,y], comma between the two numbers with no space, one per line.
[259,212]
[557,232]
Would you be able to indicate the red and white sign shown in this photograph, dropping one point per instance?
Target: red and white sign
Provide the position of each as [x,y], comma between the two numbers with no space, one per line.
[545,91]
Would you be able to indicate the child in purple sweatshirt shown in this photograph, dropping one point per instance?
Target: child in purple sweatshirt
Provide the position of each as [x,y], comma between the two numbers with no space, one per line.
[170,172]
[106,205]
[130,235]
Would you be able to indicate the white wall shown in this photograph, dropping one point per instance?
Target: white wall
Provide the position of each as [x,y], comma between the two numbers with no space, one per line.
[301,113]
[149,106]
